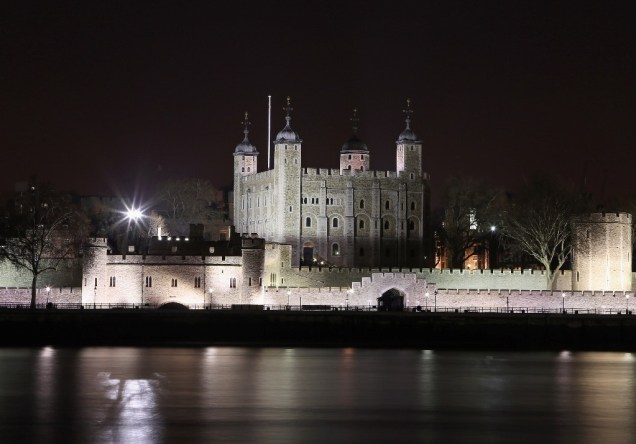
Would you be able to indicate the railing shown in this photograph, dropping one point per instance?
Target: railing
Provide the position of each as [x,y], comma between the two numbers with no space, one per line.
[334,308]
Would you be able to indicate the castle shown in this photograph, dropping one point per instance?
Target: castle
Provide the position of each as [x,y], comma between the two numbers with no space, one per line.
[349,217]
[333,237]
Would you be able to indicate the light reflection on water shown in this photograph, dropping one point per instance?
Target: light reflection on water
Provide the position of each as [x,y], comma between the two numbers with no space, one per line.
[278,395]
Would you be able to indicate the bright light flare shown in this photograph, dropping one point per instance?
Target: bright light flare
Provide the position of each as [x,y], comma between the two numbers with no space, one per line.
[134,214]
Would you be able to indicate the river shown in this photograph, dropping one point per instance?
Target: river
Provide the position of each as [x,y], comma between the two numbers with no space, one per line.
[314,395]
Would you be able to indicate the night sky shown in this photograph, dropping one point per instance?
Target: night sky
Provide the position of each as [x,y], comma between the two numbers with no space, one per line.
[109,97]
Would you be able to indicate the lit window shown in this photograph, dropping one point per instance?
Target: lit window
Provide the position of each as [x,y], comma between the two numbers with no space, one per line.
[335,250]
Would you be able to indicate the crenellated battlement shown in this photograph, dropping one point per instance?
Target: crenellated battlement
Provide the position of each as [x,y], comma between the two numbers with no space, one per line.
[622,218]
[326,172]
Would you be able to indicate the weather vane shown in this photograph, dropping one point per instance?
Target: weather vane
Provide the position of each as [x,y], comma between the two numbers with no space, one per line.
[355,120]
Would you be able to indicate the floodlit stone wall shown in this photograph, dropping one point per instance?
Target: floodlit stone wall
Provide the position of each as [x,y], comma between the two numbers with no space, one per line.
[488,279]
[56,295]
[602,255]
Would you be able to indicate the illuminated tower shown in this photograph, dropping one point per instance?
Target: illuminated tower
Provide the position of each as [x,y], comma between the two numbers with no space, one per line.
[245,164]
[287,157]
[409,149]
[601,259]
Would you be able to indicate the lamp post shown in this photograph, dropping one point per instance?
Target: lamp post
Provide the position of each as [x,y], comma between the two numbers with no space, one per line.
[426,295]
[210,291]
[288,294]
[48,293]
[435,294]
[349,292]
[563,302]
[627,303]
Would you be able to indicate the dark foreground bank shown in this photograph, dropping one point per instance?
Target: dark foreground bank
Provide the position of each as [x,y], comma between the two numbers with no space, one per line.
[366,329]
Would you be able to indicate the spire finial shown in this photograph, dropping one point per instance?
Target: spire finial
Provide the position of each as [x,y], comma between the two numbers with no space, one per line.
[288,109]
[354,121]
[246,123]
[408,111]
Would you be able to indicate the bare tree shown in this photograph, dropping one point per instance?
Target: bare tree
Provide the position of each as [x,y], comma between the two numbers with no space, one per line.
[44,229]
[185,202]
[470,209]
[538,223]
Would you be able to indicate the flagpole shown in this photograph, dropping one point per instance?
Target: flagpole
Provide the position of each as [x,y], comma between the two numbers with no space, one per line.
[269,128]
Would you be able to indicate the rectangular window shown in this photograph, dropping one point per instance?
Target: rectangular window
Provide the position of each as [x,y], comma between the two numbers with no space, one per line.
[197,282]
[148,281]
[249,282]
[173,283]
[111,282]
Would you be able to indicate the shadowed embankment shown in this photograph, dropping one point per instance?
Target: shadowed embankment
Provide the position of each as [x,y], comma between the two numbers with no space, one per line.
[370,329]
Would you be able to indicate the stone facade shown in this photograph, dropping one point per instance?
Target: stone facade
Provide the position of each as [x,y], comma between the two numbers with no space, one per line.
[602,257]
[349,216]
[189,272]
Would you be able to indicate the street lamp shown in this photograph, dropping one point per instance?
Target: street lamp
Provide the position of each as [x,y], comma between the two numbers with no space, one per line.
[627,303]
[563,302]
[349,292]
[288,294]
[48,293]
[426,301]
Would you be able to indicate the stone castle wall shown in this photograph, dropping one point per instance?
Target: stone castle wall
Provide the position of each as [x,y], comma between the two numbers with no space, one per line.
[472,279]
[57,295]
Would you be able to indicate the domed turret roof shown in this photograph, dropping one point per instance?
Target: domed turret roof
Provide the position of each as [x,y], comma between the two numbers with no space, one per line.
[245,147]
[287,134]
[354,144]
[407,135]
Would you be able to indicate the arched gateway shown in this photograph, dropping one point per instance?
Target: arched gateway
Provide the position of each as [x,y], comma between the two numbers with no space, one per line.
[173,306]
[391,300]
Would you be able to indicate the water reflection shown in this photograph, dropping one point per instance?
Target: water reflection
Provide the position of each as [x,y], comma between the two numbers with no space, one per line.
[277,395]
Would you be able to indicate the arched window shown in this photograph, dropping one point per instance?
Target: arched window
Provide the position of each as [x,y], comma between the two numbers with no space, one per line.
[308,222]
[362,203]
[412,206]
[361,224]
[386,224]
[387,205]
[335,250]
[334,222]
[411,225]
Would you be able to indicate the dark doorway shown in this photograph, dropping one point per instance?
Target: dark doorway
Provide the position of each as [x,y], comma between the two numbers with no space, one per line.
[391,300]
[308,254]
